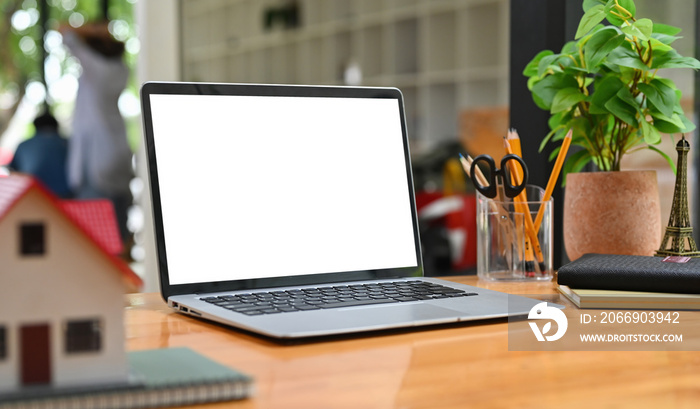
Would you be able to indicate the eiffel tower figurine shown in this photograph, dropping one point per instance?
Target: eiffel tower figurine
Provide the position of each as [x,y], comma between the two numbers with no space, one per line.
[679,230]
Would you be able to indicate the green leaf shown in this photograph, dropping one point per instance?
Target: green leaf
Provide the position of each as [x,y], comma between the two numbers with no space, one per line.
[553,155]
[532,81]
[661,93]
[670,161]
[612,11]
[680,62]
[566,98]
[619,106]
[547,137]
[587,4]
[664,38]
[562,126]
[575,162]
[574,70]
[626,74]
[666,29]
[645,26]
[558,120]
[546,62]
[673,124]
[678,122]
[627,58]
[579,160]
[582,128]
[660,57]
[602,92]
[548,87]
[569,48]
[657,45]
[625,95]
[531,67]
[641,29]
[688,125]
[539,102]
[635,138]
[590,19]
[651,135]
[566,64]
[600,45]
[554,120]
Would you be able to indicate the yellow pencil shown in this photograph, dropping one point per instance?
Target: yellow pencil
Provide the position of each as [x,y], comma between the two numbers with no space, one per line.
[553,177]
[521,203]
[514,141]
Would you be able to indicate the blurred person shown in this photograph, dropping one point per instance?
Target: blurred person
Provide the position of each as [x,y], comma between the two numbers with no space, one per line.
[99,157]
[44,156]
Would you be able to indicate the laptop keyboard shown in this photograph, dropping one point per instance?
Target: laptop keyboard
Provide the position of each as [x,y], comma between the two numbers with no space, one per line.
[274,302]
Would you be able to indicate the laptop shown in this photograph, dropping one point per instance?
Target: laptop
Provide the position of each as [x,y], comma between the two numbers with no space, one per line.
[288,211]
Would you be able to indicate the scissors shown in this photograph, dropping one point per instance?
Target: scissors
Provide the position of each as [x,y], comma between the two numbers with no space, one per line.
[509,188]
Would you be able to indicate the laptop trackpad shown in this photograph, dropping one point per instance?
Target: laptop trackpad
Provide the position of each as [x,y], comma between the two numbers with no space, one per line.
[429,312]
[344,320]
[390,315]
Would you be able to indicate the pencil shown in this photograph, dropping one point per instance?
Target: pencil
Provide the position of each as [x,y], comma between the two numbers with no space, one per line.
[521,202]
[513,139]
[553,177]
[467,164]
[512,144]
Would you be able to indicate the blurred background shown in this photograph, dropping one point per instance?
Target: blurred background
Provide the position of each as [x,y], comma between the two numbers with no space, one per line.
[452,59]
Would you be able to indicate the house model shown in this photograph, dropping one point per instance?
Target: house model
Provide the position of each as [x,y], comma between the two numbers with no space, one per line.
[61,290]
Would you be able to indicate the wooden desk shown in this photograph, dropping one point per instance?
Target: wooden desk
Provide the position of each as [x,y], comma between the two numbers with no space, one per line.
[461,366]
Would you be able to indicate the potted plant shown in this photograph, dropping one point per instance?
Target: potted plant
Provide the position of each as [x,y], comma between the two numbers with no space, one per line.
[605,86]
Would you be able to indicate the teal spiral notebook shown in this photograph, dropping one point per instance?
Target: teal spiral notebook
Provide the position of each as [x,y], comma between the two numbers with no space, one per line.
[159,377]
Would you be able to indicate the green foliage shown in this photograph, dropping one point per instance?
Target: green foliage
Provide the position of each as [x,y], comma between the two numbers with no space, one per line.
[605,85]
[20,57]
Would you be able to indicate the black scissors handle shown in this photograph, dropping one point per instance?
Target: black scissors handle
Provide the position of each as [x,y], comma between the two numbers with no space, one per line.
[509,188]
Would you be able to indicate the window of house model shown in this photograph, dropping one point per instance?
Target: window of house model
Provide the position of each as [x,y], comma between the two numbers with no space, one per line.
[32,239]
[3,342]
[83,336]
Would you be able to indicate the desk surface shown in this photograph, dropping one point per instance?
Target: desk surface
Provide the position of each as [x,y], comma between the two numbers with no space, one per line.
[454,366]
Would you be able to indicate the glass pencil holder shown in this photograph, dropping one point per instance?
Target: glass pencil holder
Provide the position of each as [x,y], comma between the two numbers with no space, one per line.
[514,241]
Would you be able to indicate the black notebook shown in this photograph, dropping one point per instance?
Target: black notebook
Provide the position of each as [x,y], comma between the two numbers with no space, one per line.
[633,273]
[159,377]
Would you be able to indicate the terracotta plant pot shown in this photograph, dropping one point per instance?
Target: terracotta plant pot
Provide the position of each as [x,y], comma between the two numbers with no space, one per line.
[612,213]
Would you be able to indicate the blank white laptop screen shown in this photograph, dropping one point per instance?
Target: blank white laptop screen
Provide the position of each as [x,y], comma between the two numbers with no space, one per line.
[258,187]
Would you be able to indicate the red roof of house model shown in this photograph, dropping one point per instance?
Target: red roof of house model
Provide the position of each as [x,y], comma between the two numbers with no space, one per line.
[98,219]
[87,217]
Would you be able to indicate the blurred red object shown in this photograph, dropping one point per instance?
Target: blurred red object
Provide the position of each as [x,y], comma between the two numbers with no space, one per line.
[457,214]
[5,156]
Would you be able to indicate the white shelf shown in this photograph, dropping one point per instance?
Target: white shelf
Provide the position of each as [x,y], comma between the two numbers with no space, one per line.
[445,55]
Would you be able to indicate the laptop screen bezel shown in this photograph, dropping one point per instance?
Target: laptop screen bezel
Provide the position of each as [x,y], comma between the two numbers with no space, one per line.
[189,88]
